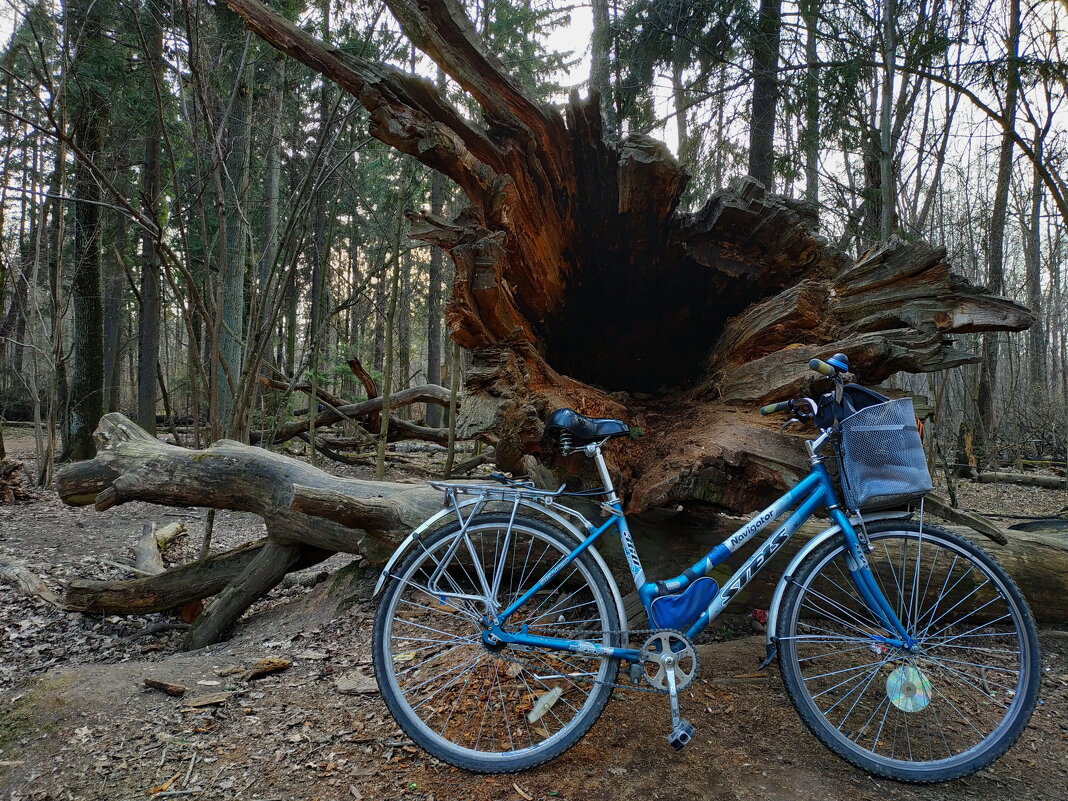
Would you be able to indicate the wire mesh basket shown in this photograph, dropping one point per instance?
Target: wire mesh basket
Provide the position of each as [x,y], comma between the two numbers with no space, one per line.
[882,458]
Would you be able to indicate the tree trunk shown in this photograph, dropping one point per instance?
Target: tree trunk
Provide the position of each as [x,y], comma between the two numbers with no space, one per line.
[810,140]
[886,120]
[765,93]
[601,66]
[298,503]
[149,319]
[433,293]
[89,126]
[996,237]
[234,244]
[1037,343]
[578,282]
[391,315]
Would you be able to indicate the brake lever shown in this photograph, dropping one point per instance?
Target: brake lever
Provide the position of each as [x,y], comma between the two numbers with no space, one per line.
[789,422]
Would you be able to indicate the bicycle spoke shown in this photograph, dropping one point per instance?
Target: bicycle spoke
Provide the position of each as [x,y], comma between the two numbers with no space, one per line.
[940,703]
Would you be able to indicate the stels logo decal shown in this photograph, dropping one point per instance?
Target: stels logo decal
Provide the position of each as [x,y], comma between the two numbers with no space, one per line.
[758,561]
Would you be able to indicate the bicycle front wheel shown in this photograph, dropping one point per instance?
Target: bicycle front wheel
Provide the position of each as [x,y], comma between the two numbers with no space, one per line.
[489,708]
[943,709]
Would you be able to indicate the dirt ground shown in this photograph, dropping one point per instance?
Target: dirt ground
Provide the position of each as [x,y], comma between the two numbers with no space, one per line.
[76,721]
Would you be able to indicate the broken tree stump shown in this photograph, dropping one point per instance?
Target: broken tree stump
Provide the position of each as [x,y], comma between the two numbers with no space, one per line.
[580,283]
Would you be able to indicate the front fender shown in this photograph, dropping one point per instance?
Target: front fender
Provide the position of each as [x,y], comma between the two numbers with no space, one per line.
[544,511]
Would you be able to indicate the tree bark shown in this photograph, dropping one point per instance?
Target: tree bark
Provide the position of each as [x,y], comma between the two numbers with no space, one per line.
[168,590]
[149,319]
[996,237]
[132,465]
[233,243]
[433,296]
[765,93]
[89,124]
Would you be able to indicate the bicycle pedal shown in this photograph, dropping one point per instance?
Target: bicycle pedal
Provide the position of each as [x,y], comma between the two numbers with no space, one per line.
[636,673]
[681,735]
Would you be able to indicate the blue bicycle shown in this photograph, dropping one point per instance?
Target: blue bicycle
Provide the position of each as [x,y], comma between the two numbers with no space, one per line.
[907,650]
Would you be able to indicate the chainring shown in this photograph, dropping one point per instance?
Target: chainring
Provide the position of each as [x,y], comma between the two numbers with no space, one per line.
[655,651]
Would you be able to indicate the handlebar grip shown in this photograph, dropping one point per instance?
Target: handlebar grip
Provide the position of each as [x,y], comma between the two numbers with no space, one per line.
[821,367]
[500,478]
[772,408]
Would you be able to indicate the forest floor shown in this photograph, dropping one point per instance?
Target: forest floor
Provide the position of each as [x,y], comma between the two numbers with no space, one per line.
[76,721]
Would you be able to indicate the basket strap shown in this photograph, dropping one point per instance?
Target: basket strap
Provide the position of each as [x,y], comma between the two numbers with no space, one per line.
[884,428]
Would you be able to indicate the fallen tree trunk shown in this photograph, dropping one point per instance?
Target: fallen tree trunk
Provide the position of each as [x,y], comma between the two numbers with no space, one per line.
[399,429]
[167,590]
[937,505]
[713,313]
[132,465]
[1037,561]
[14,484]
[1025,479]
[26,580]
[310,515]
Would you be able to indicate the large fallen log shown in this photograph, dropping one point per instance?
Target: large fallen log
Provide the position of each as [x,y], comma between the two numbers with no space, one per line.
[1024,479]
[579,282]
[310,515]
[1036,560]
[132,465]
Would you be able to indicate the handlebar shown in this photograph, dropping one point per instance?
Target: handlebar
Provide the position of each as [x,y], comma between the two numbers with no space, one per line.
[822,367]
[805,408]
[774,408]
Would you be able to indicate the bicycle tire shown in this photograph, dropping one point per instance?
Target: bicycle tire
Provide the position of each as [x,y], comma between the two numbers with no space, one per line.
[436,675]
[944,710]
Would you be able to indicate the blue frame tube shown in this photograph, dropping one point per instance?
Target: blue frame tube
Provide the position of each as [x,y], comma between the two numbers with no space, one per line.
[814,490]
[555,569]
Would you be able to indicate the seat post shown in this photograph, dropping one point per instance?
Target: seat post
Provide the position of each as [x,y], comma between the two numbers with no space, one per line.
[602,469]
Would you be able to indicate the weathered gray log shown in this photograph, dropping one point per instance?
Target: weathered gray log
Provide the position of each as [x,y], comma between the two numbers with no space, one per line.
[1025,479]
[938,505]
[172,588]
[26,580]
[132,465]
[260,576]
[147,556]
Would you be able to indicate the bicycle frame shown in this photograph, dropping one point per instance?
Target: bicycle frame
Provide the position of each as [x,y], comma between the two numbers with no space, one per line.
[814,491]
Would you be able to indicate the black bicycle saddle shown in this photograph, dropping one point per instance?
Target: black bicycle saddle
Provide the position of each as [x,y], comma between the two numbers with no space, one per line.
[585,429]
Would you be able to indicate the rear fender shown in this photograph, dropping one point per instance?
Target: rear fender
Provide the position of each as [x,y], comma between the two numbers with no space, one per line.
[540,511]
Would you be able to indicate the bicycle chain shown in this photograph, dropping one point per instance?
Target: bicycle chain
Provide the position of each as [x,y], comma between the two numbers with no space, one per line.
[641,687]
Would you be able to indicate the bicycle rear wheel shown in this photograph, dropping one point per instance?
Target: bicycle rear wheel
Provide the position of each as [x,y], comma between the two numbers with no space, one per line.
[484,708]
[944,709]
